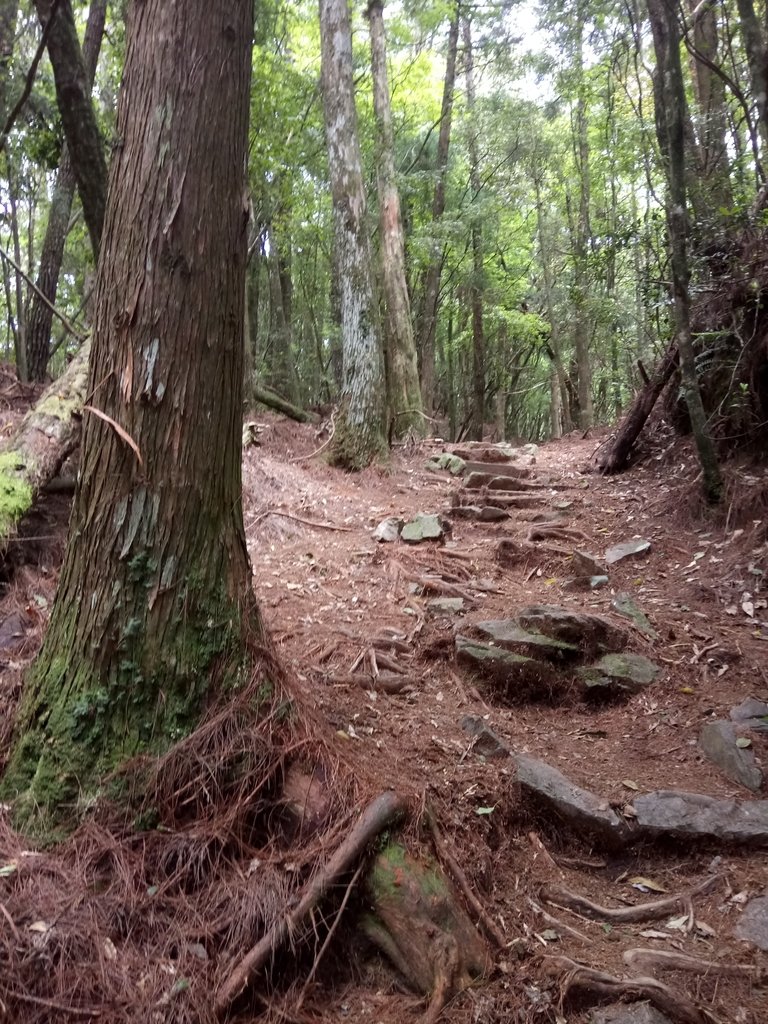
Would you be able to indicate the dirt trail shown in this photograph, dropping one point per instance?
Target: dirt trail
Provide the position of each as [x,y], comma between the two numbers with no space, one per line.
[327,587]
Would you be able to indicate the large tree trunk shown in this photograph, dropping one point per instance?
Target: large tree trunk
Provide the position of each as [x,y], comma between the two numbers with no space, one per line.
[670,108]
[476,289]
[73,96]
[403,391]
[757,58]
[9,10]
[40,315]
[431,297]
[359,435]
[154,594]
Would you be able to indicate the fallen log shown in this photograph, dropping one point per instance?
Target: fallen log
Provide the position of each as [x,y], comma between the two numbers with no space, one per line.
[270,398]
[615,459]
[46,436]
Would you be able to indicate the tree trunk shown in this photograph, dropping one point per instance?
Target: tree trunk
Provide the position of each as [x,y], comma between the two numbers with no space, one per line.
[40,316]
[359,437]
[73,96]
[9,10]
[476,289]
[154,596]
[754,43]
[282,364]
[432,276]
[670,93]
[403,391]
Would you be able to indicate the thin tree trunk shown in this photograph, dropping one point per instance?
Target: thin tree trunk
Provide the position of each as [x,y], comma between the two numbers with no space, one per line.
[403,391]
[752,33]
[670,93]
[9,10]
[432,276]
[73,96]
[476,288]
[154,597]
[40,316]
[359,436]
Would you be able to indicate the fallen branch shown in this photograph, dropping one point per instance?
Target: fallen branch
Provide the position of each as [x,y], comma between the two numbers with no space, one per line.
[299,519]
[653,911]
[380,813]
[556,923]
[602,985]
[265,396]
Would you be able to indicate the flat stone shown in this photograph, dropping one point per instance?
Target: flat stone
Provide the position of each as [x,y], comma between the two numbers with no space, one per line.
[718,742]
[591,634]
[388,530]
[634,1013]
[628,548]
[423,527]
[445,605]
[752,714]
[624,605]
[619,673]
[509,670]
[752,926]
[487,742]
[681,815]
[498,469]
[583,564]
[12,632]
[509,634]
[580,808]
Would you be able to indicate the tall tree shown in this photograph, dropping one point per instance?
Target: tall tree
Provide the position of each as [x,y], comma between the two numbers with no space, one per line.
[403,391]
[431,291]
[78,118]
[40,315]
[670,113]
[155,591]
[359,436]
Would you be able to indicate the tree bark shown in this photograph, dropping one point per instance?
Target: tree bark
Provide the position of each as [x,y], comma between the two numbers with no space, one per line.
[73,96]
[40,316]
[359,436]
[154,597]
[432,276]
[670,97]
[9,10]
[477,286]
[403,391]
[757,58]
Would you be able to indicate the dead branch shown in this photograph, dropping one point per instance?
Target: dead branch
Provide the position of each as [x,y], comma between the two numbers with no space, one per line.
[556,923]
[562,897]
[662,960]
[380,813]
[602,985]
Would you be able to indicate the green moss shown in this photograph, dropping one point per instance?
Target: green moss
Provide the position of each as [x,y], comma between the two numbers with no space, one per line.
[15,493]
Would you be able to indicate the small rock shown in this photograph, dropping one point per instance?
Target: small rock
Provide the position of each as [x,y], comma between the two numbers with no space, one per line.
[595,582]
[562,504]
[681,815]
[626,549]
[752,714]
[445,605]
[491,514]
[718,742]
[423,527]
[577,806]
[586,565]
[753,924]
[622,673]
[635,1013]
[592,634]
[487,743]
[12,631]
[388,530]
[624,605]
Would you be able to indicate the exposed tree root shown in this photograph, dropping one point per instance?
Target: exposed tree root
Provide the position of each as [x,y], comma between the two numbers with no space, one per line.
[652,960]
[653,911]
[380,813]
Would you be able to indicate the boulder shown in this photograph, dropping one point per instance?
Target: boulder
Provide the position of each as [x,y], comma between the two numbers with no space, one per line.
[518,676]
[591,634]
[752,714]
[509,634]
[682,815]
[718,741]
[619,674]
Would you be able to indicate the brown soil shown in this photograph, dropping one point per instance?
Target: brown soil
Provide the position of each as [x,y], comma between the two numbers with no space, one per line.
[327,588]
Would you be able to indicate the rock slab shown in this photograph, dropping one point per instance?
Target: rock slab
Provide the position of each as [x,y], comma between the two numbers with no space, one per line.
[682,815]
[718,742]
[753,923]
[634,1013]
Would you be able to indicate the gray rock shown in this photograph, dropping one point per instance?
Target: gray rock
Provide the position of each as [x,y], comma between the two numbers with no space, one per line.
[751,713]
[634,1013]
[592,634]
[509,634]
[683,815]
[423,527]
[628,548]
[445,605]
[619,673]
[12,632]
[487,742]
[388,530]
[577,806]
[584,565]
[595,582]
[516,674]
[718,741]
[491,514]
[752,926]
[624,605]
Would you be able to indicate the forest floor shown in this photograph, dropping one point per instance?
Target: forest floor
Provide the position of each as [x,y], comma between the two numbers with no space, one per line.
[327,588]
